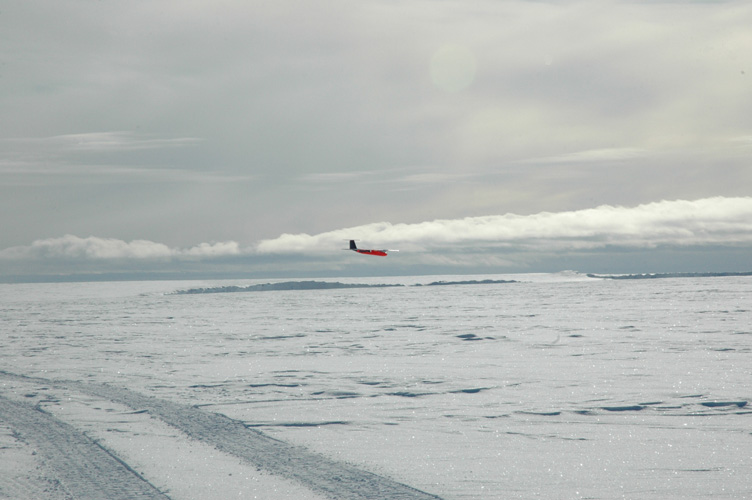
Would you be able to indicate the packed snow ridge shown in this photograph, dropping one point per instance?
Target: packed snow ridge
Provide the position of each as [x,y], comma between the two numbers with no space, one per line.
[322,285]
[666,275]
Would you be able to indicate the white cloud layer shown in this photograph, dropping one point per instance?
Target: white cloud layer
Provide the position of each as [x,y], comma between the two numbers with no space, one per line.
[104,141]
[94,248]
[709,221]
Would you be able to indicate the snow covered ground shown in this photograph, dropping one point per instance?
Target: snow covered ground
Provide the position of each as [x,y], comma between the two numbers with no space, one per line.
[556,386]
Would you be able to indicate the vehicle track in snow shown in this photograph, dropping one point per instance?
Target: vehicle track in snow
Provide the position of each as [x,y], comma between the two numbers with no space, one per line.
[323,475]
[82,468]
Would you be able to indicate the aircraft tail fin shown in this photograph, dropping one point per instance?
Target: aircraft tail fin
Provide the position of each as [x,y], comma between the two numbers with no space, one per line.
[352,245]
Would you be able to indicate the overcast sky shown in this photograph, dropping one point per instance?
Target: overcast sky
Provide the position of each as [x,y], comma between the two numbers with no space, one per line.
[254,136]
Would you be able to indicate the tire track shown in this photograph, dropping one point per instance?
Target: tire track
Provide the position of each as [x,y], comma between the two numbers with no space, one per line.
[331,478]
[83,468]
[323,475]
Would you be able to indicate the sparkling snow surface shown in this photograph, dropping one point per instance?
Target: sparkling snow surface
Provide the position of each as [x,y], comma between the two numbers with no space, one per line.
[557,386]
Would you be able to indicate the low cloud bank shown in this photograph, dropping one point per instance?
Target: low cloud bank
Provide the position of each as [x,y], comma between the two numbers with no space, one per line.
[709,221]
[94,248]
[601,238]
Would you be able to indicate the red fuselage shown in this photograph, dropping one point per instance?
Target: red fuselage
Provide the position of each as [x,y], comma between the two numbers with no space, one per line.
[371,252]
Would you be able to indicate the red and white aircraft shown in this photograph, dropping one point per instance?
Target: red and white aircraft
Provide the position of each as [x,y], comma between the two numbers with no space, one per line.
[380,253]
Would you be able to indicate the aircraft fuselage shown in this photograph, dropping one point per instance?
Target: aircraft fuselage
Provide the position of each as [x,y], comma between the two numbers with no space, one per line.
[354,248]
[380,253]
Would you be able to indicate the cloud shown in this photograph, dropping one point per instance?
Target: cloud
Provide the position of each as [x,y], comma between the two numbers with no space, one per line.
[119,141]
[592,156]
[704,234]
[219,249]
[101,157]
[70,247]
[709,221]
[78,146]
[108,141]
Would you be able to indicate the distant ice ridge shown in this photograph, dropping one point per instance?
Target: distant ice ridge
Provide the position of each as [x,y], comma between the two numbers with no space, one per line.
[323,285]
[287,285]
[467,282]
[666,275]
